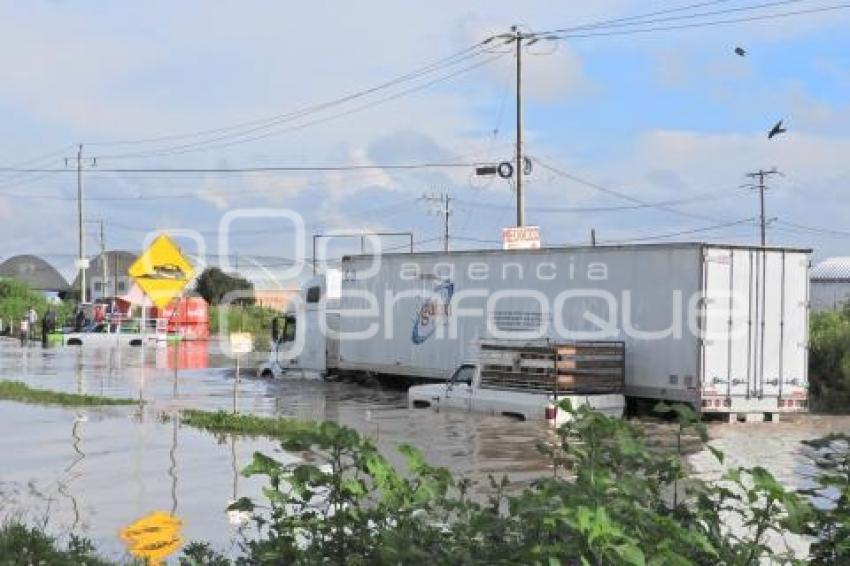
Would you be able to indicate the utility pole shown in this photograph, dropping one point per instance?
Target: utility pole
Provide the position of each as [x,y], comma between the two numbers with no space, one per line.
[593,237]
[82,243]
[520,203]
[761,174]
[443,202]
[103,265]
[82,261]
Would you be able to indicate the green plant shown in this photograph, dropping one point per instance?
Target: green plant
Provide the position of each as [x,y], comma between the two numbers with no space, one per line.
[23,393]
[16,299]
[610,500]
[20,544]
[254,319]
[829,360]
[831,521]
[214,285]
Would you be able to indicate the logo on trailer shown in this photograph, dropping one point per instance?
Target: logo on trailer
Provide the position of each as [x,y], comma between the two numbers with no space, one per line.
[433,309]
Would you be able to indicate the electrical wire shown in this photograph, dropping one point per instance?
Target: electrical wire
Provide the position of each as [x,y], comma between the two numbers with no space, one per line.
[619,194]
[681,232]
[713,196]
[416,73]
[228,140]
[824,231]
[634,21]
[710,23]
[260,169]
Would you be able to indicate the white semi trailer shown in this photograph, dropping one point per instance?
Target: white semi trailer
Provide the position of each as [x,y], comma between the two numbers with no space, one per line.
[722,327]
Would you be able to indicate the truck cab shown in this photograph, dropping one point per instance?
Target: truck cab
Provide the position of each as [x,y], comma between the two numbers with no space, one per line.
[464,391]
[304,340]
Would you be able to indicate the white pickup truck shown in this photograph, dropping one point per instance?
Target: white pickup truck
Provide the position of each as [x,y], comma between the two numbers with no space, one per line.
[464,391]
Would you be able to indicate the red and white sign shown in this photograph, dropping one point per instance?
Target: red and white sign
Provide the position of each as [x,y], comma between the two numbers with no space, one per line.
[521,238]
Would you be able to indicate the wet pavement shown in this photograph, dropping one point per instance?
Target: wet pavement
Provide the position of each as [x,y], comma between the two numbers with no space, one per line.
[96,471]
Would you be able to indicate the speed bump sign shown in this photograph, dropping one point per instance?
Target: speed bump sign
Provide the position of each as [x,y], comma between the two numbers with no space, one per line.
[162,271]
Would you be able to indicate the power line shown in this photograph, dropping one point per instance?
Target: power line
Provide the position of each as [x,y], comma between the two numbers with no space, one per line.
[227,140]
[259,169]
[604,23]
[681,232]
[713,196]
[710,23]
[824,231]
[619,194]
[443,62]
[634,21]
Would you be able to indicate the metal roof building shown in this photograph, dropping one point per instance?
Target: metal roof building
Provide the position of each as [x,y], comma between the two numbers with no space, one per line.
[114,264]
[830,284]
[33,271]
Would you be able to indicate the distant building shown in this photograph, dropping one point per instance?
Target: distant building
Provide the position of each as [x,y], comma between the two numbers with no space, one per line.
[830,284]
[114,265]
[36,273]
[275,299]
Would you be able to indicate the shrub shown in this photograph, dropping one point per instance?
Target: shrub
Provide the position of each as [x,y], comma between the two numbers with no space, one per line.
[829,360]
[610,500]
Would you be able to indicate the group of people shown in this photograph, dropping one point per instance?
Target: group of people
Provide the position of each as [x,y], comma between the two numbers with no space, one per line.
[30,320]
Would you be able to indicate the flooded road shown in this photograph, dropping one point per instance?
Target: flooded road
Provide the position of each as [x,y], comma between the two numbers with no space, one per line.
[96,471]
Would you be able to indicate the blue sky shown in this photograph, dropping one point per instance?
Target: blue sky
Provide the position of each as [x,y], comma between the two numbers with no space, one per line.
[662,116]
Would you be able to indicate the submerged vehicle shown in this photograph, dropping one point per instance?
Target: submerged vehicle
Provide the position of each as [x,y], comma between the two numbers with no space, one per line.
[527,381]
[103,334]
[720,327]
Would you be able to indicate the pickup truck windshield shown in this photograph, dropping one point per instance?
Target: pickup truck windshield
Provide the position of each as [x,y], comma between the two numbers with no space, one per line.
[288,329]
[464,374]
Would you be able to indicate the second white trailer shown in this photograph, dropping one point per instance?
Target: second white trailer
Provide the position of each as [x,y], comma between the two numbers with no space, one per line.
[721,327]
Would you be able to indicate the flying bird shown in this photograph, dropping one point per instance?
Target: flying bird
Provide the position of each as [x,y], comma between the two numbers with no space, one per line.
[740,51]
[777,129]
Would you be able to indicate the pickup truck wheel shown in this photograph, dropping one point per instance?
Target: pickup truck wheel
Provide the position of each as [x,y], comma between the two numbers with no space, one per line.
[267,374]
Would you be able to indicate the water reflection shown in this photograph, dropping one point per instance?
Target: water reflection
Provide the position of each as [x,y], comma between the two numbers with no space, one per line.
[117,464]
[154,537]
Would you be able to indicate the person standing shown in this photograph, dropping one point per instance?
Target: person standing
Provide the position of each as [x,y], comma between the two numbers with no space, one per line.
[25,329]
[79,319]
[48,325]
[32,318]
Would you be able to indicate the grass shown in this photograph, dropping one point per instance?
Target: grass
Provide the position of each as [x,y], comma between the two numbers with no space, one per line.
[253,318]
[23,393]
[20,544]
[248,425]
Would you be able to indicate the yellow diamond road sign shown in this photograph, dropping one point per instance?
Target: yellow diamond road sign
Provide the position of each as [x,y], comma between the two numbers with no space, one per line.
[162,271]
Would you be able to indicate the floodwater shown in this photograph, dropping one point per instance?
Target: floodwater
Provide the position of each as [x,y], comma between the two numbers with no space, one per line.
[96,471]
